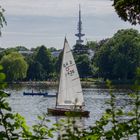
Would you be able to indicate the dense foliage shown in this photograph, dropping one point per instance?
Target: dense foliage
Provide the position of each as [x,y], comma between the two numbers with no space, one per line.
[114,58]
[15,67]
[128,10]
[41,67]
[13,126]
[119,57]
[83,65]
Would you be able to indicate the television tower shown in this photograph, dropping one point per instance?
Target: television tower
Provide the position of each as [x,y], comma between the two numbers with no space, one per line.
[79,34]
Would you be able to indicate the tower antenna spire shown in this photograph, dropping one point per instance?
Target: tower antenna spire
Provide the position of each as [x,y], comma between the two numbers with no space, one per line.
[79,28]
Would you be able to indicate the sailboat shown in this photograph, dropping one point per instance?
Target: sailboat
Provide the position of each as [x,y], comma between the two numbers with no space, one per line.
[70,96]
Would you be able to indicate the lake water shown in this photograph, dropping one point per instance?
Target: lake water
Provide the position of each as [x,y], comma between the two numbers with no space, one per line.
[31,106]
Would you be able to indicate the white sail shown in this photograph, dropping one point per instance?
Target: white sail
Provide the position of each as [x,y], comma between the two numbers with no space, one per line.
[70,91]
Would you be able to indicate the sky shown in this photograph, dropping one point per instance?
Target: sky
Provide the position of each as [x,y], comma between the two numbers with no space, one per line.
[33,23]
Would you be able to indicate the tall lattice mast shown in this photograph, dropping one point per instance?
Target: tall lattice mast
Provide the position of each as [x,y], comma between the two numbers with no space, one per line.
[79,34]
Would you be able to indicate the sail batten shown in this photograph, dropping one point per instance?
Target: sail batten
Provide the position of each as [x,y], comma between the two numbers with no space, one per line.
[70,91]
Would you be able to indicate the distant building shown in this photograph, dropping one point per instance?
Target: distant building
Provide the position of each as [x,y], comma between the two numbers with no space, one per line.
[80,49]
[56,53]
[26,52]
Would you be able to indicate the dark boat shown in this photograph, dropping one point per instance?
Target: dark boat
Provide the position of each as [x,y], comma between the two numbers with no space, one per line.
[68,112]
[35,93]
[45,94]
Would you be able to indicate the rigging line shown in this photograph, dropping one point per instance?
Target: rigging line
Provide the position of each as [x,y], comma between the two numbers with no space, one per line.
[70,65]
[75,79]
[79,92]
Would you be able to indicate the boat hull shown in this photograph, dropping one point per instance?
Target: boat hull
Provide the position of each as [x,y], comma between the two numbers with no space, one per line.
[68,112]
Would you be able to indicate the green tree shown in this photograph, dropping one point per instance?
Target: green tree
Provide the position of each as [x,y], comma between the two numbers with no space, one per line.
[21,48]
[42,65]
[92,45]
[83,65]
[15,67]
[8,51]
[58,63]
[52,49]
[128,10]
[35,71]
[119,57]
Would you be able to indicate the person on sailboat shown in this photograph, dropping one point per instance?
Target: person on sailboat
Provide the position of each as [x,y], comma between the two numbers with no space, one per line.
[80,107]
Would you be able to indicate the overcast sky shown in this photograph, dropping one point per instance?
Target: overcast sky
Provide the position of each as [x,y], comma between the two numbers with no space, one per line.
[33,23]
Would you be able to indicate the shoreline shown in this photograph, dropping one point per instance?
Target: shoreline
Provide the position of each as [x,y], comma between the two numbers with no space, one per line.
[45,82]
[84,83]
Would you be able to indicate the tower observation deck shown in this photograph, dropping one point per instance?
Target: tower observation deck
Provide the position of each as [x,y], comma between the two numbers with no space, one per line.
[79,28]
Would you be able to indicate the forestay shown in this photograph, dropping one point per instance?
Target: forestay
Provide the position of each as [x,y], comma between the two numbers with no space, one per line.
[70,91]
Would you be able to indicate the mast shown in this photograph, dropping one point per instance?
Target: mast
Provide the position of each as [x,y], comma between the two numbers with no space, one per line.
[79,28]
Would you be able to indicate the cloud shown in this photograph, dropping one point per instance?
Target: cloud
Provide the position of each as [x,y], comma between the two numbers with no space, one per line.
[57,8]
[24,33]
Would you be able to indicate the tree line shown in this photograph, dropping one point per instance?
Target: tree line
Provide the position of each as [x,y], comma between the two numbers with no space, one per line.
[115,58]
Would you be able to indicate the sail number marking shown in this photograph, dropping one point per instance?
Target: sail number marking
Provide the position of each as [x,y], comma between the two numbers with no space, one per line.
[67,63]
[70,72]
[68,68]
